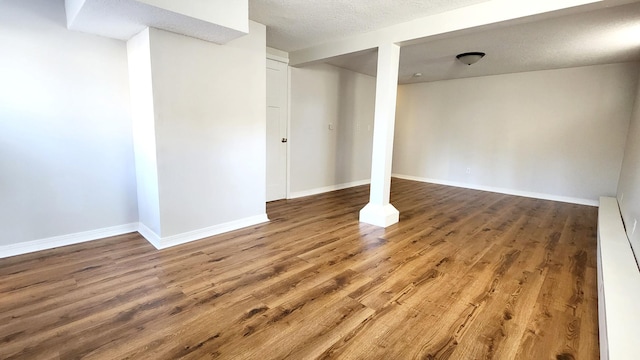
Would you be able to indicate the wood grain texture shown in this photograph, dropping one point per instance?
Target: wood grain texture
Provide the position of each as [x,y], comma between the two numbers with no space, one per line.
[464,275]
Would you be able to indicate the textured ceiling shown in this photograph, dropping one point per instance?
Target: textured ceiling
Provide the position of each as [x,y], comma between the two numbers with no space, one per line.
[298,24]
[597,37]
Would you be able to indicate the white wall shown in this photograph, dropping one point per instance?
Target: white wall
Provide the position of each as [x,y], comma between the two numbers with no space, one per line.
[232,14]
[144,130]
[66,156]
[210,123]
[629,186]
[322,158]
[558,133]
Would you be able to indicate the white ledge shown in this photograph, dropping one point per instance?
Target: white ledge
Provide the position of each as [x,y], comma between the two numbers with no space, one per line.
[618,286]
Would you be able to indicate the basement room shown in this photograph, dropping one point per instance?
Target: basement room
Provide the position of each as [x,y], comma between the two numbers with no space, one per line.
[281,179]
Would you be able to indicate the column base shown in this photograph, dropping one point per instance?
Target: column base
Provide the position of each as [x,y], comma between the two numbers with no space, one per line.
[379,215]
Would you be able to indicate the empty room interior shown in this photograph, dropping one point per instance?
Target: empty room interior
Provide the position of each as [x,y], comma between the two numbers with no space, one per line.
[280,179]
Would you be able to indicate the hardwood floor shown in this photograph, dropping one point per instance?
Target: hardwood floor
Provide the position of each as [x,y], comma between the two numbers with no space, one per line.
[464,275]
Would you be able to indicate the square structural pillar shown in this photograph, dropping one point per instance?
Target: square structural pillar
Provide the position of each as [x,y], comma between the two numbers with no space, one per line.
[379,211]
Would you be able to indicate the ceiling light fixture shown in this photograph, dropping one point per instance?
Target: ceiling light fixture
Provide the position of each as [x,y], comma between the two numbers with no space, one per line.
[418,74]
[470,57]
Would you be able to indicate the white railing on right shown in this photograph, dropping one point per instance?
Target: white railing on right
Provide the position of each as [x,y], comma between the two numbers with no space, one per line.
[618,287]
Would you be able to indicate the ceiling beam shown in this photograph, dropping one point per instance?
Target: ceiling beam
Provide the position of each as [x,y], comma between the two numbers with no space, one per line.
[217,21]
[484,14]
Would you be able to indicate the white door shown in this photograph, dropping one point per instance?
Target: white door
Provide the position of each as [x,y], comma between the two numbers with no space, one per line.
[276,130]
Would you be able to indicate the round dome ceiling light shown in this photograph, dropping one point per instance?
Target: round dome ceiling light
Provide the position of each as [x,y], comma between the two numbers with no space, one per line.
[470,58]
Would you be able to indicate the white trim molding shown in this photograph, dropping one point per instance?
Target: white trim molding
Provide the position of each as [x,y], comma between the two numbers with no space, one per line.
[64,240]
[277,55]
[321,190]
[528,194]
[148,234]
[178,239]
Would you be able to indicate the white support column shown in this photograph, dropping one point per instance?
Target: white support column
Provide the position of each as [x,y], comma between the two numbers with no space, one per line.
[379,211]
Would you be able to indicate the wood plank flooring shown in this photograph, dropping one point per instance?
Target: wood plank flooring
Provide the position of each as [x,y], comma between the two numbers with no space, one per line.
[464,275]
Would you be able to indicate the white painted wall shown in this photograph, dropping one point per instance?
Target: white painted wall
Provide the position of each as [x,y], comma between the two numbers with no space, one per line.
[629,186]
[218,21]
[324,159]
[144,130]
[210,123]
[233,14]
[66,155]
[559,132]
[72,8]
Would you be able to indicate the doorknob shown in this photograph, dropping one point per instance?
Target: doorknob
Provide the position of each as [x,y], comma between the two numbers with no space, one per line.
[284,139]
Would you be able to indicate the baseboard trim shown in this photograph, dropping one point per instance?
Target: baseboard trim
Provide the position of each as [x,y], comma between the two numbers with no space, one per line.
[174,240]
[325,189]
[528,194]
[153,238]
[64,240]
[149,235]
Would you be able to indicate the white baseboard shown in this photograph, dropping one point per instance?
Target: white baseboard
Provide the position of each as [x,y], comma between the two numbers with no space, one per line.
[528,194]
[148,234]
[163,243]
[321,190]
[63,240]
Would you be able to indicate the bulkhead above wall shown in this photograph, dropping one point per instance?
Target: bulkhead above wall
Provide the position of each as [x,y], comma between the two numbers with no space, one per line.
[217,21]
